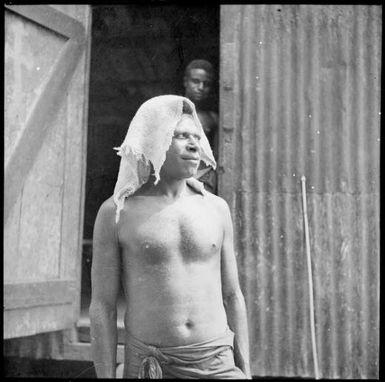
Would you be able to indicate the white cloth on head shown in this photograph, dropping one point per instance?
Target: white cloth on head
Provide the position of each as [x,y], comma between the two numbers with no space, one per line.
[148,138]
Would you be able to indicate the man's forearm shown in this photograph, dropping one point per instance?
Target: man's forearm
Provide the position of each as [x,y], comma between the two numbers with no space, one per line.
[104,341]
[237,319]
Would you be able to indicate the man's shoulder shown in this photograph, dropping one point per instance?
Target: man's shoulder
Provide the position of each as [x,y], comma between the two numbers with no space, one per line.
[108,204]
[107,209]
[217,202]
[105,226]
[214,116]
[209,115]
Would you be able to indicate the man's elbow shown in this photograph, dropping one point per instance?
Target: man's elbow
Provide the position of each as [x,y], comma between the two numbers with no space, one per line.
[101,312]
[233,296]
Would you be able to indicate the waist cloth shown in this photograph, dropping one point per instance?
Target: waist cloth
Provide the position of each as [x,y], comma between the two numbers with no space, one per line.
[209,359]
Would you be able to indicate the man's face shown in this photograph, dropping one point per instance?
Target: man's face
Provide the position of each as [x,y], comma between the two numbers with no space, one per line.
[197,85]
[183,156]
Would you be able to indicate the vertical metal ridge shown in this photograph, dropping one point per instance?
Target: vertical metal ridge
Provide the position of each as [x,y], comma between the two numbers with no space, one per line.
[364,300]
[368,160]
[326,136]
[372,52]
[286,241]
[299,38]
[312,96]
[313,186]
[343,183]
[360,84]
[262,286]
[267,181]
[316,112]
[305,166]
[332,326]
[351,80]
[347,254]
[319,304]
[376,34]
[261,201]
[354,183]
[246,122]
[286,237]
[272,130]
[354,100]
[373,261]
[360,170]
[252,264]
[346,185]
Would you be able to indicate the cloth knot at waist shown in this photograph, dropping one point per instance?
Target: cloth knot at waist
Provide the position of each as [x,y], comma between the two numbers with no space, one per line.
[150,368]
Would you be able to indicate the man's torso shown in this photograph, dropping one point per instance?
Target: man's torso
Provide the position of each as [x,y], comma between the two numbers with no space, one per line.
[209,122]
[171,269]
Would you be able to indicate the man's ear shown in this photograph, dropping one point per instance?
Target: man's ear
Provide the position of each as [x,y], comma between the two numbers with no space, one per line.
[185,79]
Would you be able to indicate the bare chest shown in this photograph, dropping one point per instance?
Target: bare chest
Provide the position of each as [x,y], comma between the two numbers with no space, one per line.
[184,231]
[207,121]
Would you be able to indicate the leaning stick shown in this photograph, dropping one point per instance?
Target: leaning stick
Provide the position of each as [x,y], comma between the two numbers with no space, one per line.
[312,326]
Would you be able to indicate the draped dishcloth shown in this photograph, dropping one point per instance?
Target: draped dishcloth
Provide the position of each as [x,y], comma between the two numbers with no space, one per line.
[147,141]
[210,359]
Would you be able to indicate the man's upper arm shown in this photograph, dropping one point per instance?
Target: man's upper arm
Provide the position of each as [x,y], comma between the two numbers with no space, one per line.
[229,269]
[106,267]
[214,116]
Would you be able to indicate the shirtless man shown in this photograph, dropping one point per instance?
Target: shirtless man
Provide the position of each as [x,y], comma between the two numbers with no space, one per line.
[171,247]
[198,82]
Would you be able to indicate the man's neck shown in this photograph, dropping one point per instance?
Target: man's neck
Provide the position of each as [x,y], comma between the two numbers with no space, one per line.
[169,188]
[199,106]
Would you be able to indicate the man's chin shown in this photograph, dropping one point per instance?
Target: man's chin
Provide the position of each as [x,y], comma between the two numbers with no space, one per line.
[191,173]
[199,99]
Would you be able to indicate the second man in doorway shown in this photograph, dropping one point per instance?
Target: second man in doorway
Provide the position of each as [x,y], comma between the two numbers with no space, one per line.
[198,82]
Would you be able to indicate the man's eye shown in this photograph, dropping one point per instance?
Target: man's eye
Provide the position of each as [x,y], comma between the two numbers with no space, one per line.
[180,136]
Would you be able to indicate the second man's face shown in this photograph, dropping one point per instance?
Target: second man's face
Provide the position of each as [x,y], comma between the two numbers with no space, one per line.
[197,85]
[183,156]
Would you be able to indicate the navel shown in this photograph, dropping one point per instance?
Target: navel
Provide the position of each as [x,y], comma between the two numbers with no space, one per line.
[189,324]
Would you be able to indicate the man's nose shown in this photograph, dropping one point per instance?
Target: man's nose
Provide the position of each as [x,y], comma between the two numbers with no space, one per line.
[201,85]
[193,144]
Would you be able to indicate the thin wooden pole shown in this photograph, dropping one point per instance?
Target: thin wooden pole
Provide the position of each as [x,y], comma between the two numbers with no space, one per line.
[311,290]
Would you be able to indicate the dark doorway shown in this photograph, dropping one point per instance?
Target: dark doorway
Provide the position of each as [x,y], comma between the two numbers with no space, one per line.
[137,52]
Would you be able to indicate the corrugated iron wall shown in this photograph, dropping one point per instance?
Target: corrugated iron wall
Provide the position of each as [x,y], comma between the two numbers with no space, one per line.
[300,95]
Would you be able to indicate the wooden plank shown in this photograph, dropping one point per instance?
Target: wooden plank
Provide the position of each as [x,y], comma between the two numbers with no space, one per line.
[25,295]
[84,334]
[53,345]
[27,67]
[52,19]
[39,121]
[42,209]
[11,242]
[81,351]
[75,172]
[39,346]
[37,319]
